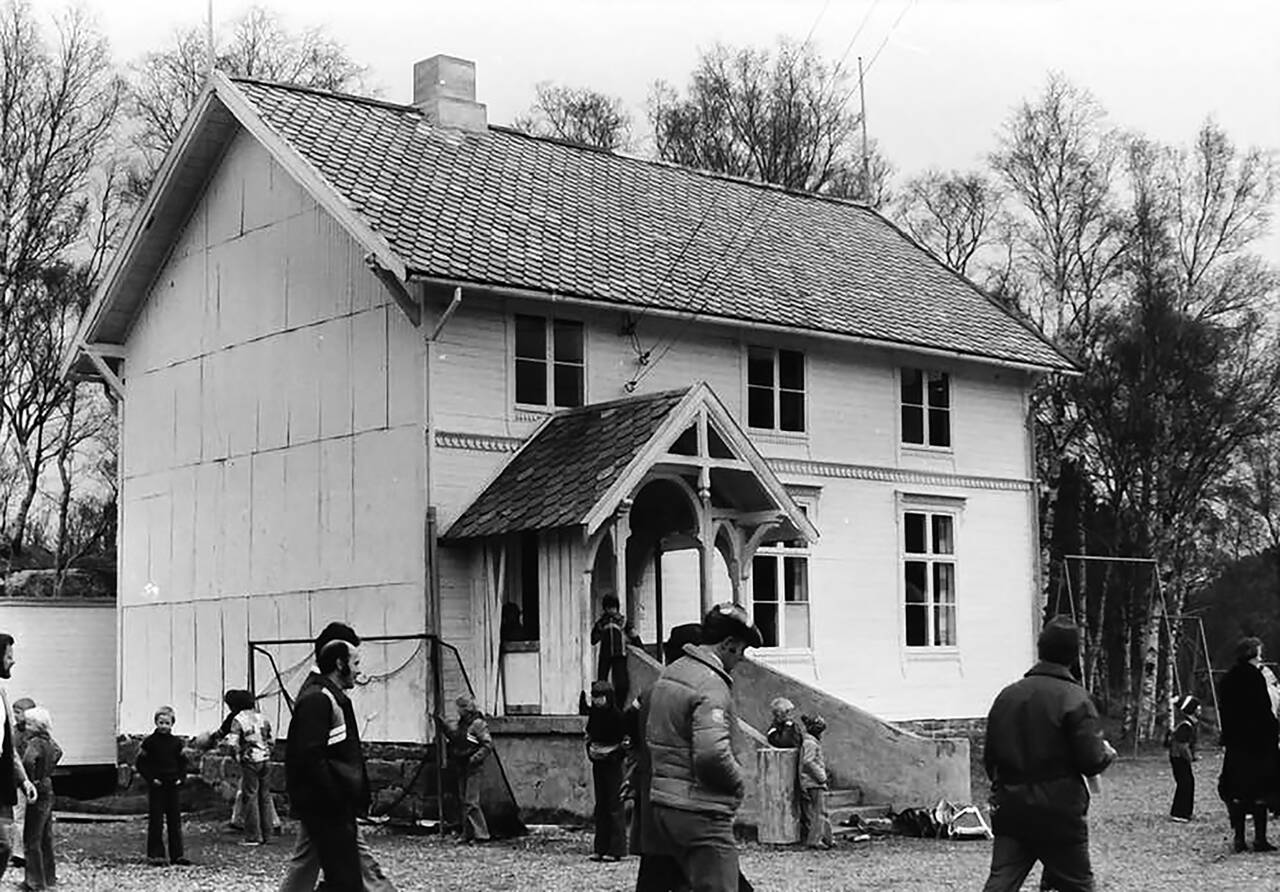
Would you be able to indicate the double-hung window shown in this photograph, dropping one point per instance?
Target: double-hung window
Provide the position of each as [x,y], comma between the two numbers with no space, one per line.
[780,594]
[550,368]
[926,408]
[929,578]
[775,389]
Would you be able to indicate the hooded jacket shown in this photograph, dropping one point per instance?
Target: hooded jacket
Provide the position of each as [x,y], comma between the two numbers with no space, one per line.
[689,739]
[1043,739]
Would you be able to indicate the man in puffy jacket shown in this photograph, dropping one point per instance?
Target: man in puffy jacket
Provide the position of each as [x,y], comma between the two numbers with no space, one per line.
[697,782]
[1043,740]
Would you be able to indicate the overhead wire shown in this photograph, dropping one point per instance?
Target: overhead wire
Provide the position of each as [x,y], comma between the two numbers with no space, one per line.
[643,356]
[649,361]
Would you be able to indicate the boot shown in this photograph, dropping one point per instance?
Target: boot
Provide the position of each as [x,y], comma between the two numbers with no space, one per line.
[1260,843]
[1236,814]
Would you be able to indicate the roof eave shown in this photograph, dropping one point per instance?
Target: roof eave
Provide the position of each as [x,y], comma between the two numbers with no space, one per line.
[116,301]
[520,291]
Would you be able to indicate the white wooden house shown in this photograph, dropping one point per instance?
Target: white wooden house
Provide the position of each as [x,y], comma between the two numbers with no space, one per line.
[335,315]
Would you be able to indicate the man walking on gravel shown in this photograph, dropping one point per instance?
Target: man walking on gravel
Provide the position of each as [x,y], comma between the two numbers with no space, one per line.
[324,765]
[1043,740]
[697,782]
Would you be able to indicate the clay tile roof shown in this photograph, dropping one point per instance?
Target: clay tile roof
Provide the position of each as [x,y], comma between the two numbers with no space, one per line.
[504,208]
[564,470]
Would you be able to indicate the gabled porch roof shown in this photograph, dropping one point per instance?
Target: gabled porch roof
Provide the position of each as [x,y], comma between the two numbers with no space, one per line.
[582,465]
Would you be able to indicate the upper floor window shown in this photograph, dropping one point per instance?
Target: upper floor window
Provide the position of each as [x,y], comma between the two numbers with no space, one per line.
[775,389]
[926,408]
[549,359]
[929,578]
[780,594]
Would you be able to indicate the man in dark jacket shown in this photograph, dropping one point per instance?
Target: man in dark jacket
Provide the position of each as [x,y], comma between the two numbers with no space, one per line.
[697,783]
[1043,740]
[324,764]
[13,777]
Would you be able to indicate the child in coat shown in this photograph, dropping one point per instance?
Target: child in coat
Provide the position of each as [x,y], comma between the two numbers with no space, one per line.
[606,731]
[785,732]
[249,738]
[39,758]
[1182,752]
[19,708]
[815,826]
[162,764]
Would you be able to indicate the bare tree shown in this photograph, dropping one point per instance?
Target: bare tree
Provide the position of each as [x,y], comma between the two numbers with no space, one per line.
[58,107]
[780,116]
[955,215]
[578,115]
[166,84]
[1059,160]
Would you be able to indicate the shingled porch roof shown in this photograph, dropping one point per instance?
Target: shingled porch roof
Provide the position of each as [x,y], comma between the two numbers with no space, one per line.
[581,463]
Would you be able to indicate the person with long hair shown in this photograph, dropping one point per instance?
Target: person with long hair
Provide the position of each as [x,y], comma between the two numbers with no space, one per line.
[1250,775]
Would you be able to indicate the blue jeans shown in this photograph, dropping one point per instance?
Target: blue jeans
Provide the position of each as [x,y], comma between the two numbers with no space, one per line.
[253,785]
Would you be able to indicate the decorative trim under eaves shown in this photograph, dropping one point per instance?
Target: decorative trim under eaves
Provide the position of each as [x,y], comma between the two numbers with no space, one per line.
[478,442]
[808,468]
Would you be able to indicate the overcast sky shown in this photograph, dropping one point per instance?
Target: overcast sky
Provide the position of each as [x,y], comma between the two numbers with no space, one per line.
[946,77]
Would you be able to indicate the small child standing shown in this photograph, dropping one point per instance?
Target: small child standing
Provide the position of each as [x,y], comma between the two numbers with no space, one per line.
[1182,752]
[815,825]
[249,738]
[39,759]
[785,732]
[606,732]
[163,766]
[19,708]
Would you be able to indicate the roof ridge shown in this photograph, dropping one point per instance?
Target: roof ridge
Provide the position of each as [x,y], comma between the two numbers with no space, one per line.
[683,168]
[570,144]
[332,94]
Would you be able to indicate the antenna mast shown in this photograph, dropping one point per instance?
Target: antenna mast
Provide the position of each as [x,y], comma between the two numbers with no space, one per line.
[209,40]
[866,158]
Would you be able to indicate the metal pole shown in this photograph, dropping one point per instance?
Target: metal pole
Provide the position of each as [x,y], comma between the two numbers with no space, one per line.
[212,59]
[1208,661]
[866,158]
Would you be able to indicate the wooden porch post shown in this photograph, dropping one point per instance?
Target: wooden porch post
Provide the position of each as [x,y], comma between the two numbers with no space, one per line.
[621,533]
[706,536]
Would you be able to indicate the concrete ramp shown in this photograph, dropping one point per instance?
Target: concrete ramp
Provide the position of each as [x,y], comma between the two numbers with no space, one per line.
[883,763]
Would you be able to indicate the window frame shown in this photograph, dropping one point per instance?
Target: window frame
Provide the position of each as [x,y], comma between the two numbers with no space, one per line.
[930,508]
[548,360]
[779,552]
[776,390]
[925,408]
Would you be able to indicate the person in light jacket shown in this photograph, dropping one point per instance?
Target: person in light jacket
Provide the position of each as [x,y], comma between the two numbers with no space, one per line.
[815,825]
[697,782]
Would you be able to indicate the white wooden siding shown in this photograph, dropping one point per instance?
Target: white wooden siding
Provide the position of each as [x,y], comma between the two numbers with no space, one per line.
[853,411]
[273,462]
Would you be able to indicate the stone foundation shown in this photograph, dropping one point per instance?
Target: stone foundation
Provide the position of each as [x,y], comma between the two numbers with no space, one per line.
[393,769]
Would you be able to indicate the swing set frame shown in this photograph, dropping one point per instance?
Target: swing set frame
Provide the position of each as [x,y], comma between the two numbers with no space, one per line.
[1158,591]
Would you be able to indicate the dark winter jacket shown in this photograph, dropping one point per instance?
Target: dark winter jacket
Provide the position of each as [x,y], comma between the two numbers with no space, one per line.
[1043,739]
[324,764]
[160,758]
[1251,763]
[42,754]
[688,733]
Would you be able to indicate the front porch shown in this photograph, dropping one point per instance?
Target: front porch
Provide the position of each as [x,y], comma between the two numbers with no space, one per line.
[610,499]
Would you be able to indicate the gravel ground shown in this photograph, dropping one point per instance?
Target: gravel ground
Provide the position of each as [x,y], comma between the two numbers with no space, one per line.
[1134,848]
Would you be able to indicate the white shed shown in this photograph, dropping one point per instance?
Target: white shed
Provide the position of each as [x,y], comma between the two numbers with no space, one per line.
[65,660]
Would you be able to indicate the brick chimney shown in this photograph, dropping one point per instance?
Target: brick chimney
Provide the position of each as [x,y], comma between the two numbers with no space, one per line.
[444,88]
